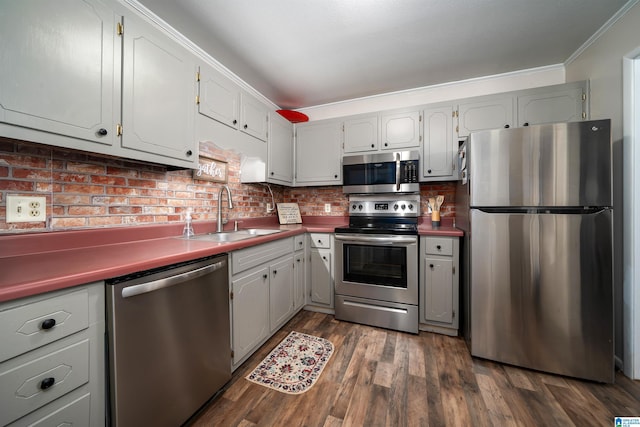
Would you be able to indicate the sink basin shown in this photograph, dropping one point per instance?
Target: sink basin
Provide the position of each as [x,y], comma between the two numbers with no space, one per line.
[234,236]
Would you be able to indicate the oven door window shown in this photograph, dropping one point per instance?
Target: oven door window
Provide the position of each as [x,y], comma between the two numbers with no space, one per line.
[375,265]
[370,174]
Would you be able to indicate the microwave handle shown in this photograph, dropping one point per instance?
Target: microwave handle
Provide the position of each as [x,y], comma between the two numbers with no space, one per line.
[397,171]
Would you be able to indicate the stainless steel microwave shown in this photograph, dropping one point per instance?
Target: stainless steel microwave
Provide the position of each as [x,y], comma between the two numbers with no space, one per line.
[393,172]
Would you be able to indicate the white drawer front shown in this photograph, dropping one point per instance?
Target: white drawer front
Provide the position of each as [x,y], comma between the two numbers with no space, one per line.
[36,382]
[298,242]
[319,240]
[74,413]
[24,328]
[245,259]
[439,246]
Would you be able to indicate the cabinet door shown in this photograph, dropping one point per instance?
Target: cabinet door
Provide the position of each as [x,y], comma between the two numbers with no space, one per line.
[280,292]
[219,97]
[361,134]
[280,148]
[250,312]
[321,283]
[437,150]
[253,117]
[299,281]
[158,94]
[401,130]
[557,106]
[438,285]
[488,114]
[318,154]
[60,64]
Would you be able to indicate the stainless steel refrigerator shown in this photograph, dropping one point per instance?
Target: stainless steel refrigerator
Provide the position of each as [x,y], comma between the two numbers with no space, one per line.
[535,204]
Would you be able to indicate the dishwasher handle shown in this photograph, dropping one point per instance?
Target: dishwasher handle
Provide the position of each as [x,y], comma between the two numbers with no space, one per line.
[166,282]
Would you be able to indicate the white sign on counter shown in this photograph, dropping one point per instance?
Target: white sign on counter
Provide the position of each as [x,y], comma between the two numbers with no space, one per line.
[289,213]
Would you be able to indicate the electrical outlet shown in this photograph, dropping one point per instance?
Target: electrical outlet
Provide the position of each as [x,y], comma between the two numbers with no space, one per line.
[327,207]
[26,209]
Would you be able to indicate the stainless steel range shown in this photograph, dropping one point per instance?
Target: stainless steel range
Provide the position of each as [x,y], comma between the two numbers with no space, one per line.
[377,262]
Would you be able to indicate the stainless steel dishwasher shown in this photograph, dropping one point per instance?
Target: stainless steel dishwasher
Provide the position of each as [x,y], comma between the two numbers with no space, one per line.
[168,341]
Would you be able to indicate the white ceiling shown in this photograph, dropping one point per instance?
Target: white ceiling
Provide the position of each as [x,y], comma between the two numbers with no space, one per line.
[301,53]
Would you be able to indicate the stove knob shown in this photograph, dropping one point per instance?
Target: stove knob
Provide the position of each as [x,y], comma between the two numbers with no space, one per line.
[360,207]
[353,207]
[395,207]
[410,207]
[404,207]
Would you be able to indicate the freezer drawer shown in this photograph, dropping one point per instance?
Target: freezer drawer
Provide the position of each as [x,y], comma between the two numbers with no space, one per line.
[541,291]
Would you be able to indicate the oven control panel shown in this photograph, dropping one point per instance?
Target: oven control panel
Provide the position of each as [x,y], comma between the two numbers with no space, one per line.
[407,205]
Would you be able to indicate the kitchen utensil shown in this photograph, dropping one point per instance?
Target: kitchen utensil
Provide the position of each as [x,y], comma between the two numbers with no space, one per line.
[435,210]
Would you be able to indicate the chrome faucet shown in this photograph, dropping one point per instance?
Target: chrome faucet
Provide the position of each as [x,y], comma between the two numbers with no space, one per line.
[230,203]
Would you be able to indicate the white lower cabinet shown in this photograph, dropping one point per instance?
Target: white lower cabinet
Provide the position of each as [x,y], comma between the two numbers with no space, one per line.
[321,271]
[263,294]
[439,284]
[52,367]
[299,272]
[250,312]
[281,281]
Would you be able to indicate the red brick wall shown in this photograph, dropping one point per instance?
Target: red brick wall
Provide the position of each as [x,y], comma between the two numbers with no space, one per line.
[85,190]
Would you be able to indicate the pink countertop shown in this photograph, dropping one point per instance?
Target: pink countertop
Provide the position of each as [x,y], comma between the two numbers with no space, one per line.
[446,228]
[31,264]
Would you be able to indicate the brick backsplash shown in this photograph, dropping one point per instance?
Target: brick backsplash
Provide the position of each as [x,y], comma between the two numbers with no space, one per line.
[86,190]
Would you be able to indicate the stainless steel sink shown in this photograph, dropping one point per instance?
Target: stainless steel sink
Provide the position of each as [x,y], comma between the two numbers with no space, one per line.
[234,236]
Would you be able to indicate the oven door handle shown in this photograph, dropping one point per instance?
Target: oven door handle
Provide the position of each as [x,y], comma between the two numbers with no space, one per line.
[397,171]
[376,239]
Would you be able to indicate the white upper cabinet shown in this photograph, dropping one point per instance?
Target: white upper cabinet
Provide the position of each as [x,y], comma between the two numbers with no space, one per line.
[491,113]
[280,147]
[158,93]
[222,100]
[59,63]
[92,75]
[566,104]
[218,97]
[253,117]
[438,159]
[361,134]
[318,152]
[400,130]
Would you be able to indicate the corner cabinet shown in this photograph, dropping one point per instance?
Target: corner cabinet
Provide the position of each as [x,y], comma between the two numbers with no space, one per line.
[280,150]
[52,358]
[222,100]
[439,284]
[318,153]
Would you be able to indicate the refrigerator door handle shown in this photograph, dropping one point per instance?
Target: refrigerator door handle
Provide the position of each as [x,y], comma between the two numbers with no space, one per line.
[579,210]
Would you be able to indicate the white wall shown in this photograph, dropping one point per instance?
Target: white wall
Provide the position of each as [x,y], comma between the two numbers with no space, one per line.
[602,63]
[535,77]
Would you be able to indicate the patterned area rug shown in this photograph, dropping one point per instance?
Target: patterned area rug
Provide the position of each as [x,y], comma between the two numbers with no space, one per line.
[294,365]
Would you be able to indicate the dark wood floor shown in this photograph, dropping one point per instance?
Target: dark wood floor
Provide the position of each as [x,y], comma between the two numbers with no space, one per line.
[378,377]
